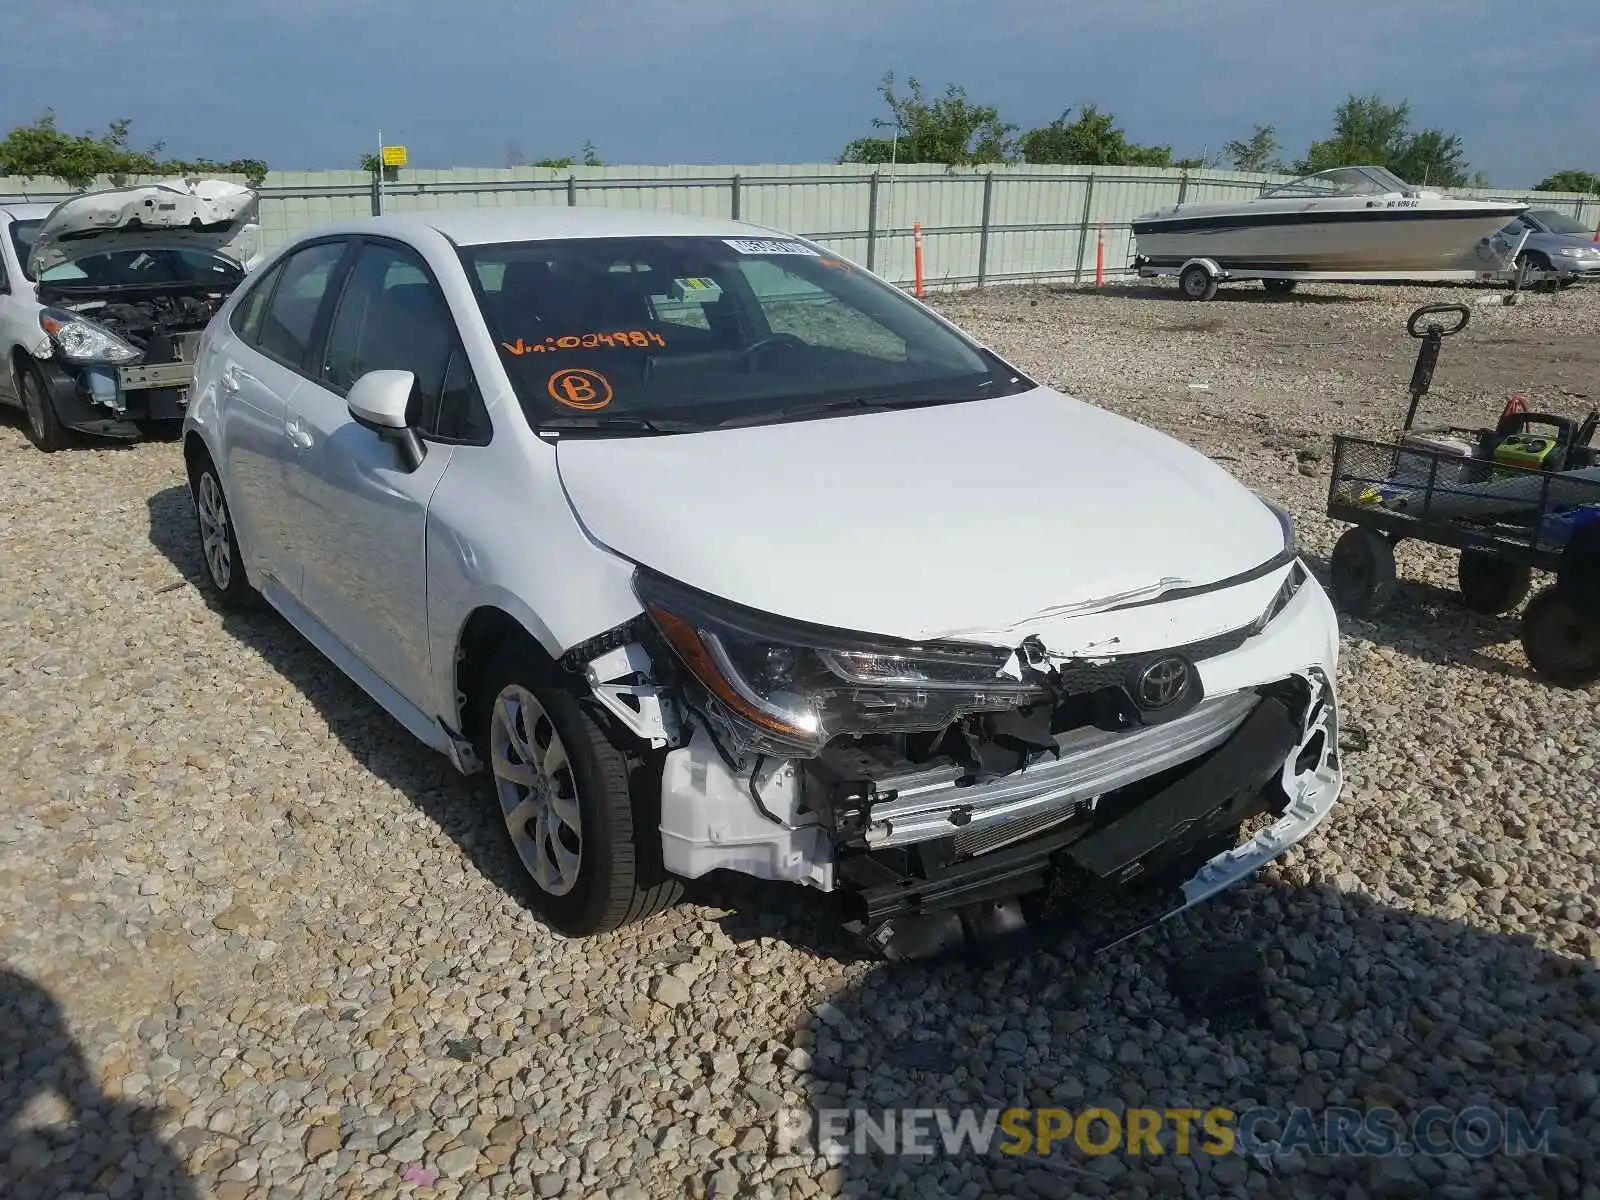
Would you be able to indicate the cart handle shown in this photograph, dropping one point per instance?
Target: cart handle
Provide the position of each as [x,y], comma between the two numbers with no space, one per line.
[1429,309]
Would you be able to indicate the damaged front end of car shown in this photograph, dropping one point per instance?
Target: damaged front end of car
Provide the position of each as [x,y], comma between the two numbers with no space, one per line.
[127,280]
[920,786]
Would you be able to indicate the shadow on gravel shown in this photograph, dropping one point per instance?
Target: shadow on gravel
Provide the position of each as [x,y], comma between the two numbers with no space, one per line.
[1272,998]
[59,1135]
[458,806]
[1433,625]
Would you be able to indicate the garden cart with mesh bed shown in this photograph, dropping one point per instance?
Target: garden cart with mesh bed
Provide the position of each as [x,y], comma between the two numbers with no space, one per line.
[1519,498]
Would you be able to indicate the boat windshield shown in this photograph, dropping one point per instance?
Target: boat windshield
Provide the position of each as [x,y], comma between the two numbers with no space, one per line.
[1342,181]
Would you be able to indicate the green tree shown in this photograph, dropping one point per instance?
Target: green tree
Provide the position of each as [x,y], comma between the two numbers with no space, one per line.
[1093,140]
[41,149]
[1570,180]
[1258,152]
[1367,131]
[950,129]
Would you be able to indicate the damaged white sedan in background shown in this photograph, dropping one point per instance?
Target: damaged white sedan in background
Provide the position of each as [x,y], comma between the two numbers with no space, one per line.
[721,553]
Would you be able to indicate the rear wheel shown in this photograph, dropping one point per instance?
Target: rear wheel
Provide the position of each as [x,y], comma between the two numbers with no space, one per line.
[1562,638]
[219,547]
[565,795]
[1362,572]
[44,430]
[1197,283]
[1491,585]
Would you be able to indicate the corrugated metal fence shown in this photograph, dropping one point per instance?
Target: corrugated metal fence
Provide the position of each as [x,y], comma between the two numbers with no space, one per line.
[980,225]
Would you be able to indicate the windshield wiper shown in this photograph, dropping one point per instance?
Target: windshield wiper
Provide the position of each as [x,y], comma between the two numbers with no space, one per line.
[799,412]
[618,423]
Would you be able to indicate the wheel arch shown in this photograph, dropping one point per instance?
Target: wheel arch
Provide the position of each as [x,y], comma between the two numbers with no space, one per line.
[486,628]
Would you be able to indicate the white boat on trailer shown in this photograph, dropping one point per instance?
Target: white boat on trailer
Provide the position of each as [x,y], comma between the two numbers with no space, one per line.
[1349,224]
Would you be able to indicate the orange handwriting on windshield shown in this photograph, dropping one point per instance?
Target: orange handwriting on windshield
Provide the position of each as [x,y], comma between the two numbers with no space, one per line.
[638,338]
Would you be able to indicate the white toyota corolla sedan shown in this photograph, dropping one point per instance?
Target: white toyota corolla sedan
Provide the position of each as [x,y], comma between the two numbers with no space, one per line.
[715,551]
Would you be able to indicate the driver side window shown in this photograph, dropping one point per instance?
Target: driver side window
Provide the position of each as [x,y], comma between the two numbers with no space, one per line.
[393,317]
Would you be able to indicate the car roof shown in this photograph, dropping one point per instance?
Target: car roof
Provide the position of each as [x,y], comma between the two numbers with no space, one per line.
[27,212]
[530,223]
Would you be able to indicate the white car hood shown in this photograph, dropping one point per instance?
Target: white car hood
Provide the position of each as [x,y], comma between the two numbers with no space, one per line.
[209,214]
[958,521]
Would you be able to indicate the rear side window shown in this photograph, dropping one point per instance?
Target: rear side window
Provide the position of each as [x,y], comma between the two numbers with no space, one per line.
[291,314]
[247,313]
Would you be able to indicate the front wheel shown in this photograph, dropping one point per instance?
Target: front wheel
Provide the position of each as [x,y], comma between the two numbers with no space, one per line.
[563,790]
[1562,638]
[45,431]
[1362,572]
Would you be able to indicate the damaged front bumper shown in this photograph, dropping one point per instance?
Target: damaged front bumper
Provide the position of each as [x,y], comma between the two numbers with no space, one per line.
[1149,803]
[111,401]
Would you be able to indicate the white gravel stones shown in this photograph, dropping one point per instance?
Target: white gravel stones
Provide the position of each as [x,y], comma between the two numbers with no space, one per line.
[287,943]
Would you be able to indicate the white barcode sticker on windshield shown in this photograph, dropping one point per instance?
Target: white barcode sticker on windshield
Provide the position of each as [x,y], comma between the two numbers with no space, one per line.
[769,246]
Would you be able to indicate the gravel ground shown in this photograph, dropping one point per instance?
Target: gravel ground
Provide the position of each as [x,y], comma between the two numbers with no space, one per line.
[256,943]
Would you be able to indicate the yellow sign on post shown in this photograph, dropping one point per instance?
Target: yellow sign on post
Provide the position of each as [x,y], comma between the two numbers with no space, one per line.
[394,156]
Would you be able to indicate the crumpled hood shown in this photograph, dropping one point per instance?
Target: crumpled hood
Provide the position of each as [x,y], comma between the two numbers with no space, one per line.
[210,214]
[922,523]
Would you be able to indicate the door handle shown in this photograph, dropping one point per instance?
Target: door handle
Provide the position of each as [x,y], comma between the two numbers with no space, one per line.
[298,433]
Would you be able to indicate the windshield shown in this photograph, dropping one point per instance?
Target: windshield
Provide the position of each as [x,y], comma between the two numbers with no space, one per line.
[23,234]
[1342,181]
[1558,222]
[697,331]
[144,268]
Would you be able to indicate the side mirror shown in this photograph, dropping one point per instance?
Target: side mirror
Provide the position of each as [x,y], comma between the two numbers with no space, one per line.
[378,401]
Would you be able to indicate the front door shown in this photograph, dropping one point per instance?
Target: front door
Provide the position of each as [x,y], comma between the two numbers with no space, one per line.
[362,513]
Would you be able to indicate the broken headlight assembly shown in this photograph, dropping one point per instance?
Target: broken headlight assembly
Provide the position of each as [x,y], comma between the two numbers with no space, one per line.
[77,340]
[1292,581]
[790,688]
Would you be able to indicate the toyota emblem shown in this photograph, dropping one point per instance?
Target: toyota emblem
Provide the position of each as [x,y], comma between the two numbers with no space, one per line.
[1162,684]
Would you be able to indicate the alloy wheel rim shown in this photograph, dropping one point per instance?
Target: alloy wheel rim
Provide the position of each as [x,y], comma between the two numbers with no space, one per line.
[213,512]
[537,790]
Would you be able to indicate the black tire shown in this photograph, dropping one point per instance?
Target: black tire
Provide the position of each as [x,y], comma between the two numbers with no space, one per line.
[1490,585]
[1279,287]
[1362,572]
[619,876]
[1536,261]
[1562,639]
[44,430]
[1197,283]
[221,564]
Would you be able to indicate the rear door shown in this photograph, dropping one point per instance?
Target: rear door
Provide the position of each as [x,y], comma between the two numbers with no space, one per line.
[258,369]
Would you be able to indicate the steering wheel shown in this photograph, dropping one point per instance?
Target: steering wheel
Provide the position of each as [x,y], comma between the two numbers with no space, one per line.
[747,355]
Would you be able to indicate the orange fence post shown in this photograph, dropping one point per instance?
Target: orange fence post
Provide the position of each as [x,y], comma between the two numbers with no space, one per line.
[1100,258]
[916,240]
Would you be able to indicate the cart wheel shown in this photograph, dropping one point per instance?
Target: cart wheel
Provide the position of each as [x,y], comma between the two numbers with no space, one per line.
[1197,283]
[1362,572]
[1561,639]
[1279,287]
[1492,585]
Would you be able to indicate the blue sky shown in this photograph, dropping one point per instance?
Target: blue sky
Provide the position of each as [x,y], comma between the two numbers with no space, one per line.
[305,84]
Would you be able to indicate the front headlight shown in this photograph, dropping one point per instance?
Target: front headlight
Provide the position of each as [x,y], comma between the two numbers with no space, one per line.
[791,688]
[78,340]
[1578,252]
